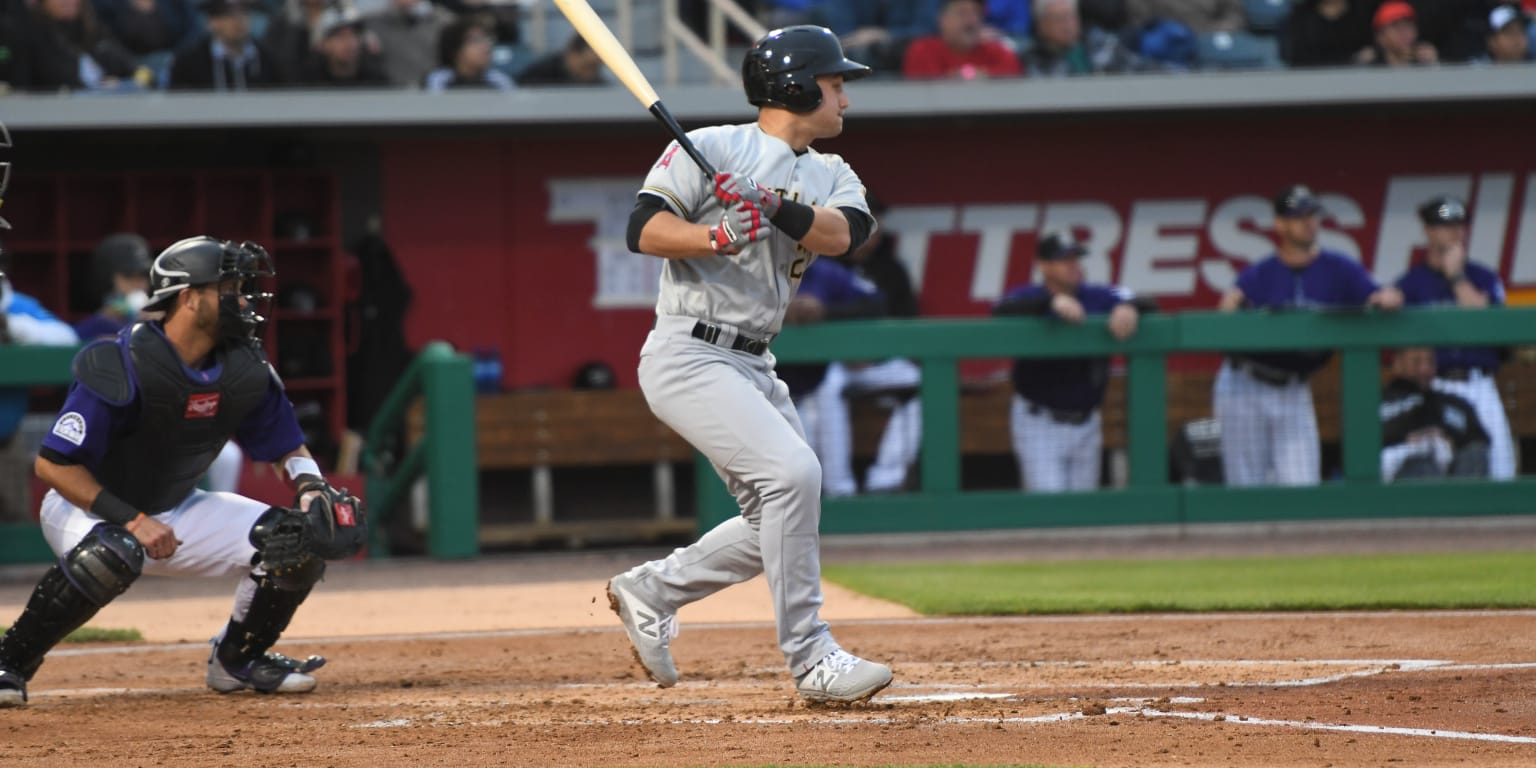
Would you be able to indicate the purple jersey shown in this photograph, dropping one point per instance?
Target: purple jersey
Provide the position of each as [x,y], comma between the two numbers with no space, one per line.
[1422,286]
[835,284]
[87,423]
[1064,383]
[1330,281]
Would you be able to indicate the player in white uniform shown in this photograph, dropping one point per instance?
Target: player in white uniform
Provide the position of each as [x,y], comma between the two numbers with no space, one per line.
[735,254]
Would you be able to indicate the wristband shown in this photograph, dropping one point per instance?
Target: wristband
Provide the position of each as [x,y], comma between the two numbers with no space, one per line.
[301,465]
[113,510]
[794,219]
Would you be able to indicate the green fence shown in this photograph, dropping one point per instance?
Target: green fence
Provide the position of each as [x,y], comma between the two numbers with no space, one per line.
[1148,497]
[445,455]
[24,367]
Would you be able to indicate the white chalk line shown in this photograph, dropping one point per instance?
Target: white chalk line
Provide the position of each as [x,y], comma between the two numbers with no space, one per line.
[1315,726]
[900,622]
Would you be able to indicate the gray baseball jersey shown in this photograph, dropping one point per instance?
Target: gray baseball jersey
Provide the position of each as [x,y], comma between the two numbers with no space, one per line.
[751,289]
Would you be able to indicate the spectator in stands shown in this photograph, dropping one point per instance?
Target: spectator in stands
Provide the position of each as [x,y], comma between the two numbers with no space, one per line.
[960,49]
[1063,46]
[150,26]
[339,60]
[1426,432]
[408,31]
[464,58]
[1262,399]
[575,64]
[122,264]
[877,32]
[227,59]
[1057,428]
[1202,16]
[1397,39]
[1326,33]
[1508,37]
[290,36]
[23,320]
[60,45]
[1447,278]
[1454,27]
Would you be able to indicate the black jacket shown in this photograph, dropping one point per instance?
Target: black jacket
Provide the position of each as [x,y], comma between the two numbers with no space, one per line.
[1406,408]
[193,69]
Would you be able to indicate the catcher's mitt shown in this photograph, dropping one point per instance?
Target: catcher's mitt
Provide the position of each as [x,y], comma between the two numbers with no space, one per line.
[338,523]
[286,547]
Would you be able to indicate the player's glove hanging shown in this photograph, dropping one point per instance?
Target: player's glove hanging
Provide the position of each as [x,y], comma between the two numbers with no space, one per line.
[737,188]
[739,226]
[338,523]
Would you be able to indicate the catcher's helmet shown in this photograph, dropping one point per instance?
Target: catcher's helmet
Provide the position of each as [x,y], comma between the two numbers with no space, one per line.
[198,261]
[781,68]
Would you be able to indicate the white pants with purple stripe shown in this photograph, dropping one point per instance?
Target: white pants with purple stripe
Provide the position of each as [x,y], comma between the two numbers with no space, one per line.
[1268,431]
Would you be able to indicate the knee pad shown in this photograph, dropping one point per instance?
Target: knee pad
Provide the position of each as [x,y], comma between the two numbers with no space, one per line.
[104,564]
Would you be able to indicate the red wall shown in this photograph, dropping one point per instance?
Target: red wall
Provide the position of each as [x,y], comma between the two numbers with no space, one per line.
[470,219]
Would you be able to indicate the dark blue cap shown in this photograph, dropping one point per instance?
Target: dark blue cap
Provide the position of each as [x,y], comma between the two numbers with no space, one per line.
[1059,245]
[1297,200]
[1443,210]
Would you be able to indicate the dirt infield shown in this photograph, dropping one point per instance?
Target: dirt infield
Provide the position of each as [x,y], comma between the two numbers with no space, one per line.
[532,670]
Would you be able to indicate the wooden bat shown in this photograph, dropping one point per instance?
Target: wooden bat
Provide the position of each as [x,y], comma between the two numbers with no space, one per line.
[608,48]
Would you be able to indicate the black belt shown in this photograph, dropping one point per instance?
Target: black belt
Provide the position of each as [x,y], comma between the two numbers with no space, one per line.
[1265,374]
[1061,415]
[1460,374]
[711,333]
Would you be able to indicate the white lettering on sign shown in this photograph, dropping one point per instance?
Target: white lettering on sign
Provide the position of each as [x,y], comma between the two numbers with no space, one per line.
[911,226]
[1240,231]
[997,225]
[1490,219]
[1156,261]
[624,279]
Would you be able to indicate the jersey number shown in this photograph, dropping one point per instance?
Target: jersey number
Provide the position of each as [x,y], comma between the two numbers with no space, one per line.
[797,268]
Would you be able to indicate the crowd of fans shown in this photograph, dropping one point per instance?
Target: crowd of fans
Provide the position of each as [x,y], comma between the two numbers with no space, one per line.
[135,45]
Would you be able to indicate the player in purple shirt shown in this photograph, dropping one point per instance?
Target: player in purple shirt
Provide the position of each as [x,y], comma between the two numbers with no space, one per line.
[1262,400]
[145,416]
[1057,430]
[1447,278]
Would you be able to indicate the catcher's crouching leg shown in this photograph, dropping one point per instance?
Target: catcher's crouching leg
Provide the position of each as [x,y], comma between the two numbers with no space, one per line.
[240,658]
[101,567]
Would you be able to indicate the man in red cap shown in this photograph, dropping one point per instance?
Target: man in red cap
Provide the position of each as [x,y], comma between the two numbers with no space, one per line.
[1397,38]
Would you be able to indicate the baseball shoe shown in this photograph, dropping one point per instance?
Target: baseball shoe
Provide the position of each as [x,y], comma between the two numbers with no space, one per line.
[843,678]
[271,673]
[13,689]
[650,631]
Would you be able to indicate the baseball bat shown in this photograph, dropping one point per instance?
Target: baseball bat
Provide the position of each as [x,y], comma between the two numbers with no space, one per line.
[608,48]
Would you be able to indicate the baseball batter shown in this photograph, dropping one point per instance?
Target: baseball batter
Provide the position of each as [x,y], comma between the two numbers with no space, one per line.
[736,248]
[1447,278]
[144,418]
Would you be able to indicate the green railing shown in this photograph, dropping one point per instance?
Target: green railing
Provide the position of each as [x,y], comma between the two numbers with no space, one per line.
[1148,497]
[444,379]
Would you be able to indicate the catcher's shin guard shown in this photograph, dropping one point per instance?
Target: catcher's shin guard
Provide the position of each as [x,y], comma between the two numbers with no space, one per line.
[271,610]
[98,569]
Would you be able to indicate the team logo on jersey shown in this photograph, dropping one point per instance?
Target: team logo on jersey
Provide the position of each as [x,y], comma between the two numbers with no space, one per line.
[71,427]
[666,159]
[202,406]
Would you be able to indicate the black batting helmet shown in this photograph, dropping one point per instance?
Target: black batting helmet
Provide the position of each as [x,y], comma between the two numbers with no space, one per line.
[781,68]
[205,260]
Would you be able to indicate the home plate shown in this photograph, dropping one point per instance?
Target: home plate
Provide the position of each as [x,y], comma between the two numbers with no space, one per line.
[926,698]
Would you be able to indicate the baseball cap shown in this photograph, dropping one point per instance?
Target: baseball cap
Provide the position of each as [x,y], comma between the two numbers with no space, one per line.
[1443,210]
[333,20]
[123,254]
[1392,11]
[1504,16]
[1059,245]
[1297,200]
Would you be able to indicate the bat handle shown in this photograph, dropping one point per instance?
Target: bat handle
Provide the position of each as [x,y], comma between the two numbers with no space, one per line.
[659,111]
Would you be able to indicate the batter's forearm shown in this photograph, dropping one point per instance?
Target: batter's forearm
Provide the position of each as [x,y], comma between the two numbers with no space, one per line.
[670,237]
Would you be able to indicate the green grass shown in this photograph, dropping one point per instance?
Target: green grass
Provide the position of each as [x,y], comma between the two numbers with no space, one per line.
[97,635]
[1459,580]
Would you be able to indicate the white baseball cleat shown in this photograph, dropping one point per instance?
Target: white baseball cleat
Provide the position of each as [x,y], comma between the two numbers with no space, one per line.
[270,673]
[843,678]
[650,631]
[13,689]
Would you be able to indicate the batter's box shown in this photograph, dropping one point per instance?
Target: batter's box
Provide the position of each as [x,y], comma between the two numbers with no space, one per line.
[1148,673]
